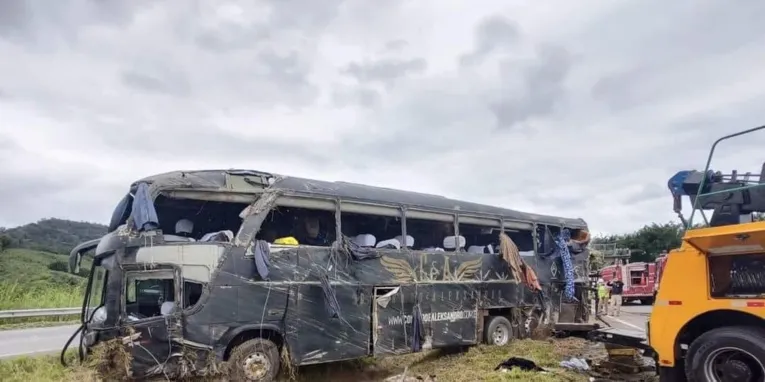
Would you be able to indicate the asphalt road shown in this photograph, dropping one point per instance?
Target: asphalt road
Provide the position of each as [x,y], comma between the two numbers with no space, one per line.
[631,317]
[34,341]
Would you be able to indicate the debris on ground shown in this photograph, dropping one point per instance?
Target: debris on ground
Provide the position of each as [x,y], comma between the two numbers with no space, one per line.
[404,377]
[520,363]
[577,364]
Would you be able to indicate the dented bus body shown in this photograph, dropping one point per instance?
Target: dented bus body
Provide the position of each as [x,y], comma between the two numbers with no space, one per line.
[243,298]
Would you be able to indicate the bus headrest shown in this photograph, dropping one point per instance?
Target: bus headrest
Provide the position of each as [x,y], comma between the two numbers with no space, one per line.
[390,244]
[477,249]
[451,241]
[409,240]
[365,240]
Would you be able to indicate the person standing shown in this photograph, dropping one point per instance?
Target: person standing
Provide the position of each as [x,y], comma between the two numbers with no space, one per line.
[602,297]
[615,306]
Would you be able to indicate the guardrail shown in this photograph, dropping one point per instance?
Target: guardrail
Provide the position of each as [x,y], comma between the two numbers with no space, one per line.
[23,313]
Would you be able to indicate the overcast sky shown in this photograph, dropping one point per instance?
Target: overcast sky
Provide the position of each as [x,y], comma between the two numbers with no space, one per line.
[573,108]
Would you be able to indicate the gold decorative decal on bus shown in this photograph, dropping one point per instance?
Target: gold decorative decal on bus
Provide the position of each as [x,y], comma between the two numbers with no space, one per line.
[403,272]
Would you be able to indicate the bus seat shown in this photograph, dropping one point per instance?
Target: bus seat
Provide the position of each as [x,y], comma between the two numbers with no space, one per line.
[450,242]
[167,308]
[176,239]
[365,240]
[389,244]
[224,236]
[409,240]
[477,249]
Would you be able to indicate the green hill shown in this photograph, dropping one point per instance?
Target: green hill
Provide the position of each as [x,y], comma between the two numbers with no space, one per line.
[34,267]
[52,235]
[33,279]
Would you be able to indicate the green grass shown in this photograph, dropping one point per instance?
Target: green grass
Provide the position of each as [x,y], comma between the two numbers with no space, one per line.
[44,369]
[33,279]
[477,364]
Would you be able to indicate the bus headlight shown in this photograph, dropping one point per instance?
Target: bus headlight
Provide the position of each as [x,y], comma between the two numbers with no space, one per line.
[99,316]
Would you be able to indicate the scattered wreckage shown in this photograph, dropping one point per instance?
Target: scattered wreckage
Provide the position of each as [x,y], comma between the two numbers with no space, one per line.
[245,270]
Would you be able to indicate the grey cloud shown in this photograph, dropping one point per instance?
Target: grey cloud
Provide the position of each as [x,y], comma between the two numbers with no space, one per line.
[353,96]
[395,45]
[303,15]
[232,37]
[307,18]
[287,69]
[557,202]
[40,21]
[39,193]
[543,88]
[647,192]
[492,34]
[444,118]
[190,137]
[164,82]
[684,32]
[385,70]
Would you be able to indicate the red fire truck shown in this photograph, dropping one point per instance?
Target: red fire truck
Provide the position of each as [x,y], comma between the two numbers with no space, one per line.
[641,280]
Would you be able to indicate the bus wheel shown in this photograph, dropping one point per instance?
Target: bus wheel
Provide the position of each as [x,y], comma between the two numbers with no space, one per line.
[727,354]
[498,331]
[255,360]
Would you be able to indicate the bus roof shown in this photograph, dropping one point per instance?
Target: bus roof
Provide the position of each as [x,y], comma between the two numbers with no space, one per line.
[222,179]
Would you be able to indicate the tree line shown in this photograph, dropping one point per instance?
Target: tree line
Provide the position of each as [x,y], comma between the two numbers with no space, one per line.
[648,242]
[50,235]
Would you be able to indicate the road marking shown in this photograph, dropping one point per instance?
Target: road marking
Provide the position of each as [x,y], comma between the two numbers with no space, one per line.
[627,323]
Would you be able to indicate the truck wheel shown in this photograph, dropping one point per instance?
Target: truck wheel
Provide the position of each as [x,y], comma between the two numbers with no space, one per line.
[727,354]
[255,360]
[498,331]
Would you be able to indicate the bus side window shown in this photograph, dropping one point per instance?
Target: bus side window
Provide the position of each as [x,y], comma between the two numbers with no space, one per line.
[374,231]
[298,226]
[481,235]
[433,234]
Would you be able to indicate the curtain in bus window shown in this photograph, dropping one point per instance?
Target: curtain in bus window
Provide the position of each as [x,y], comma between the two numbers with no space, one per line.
[143,214]
[358,252]
[261,255]
[417,328]
[568,267]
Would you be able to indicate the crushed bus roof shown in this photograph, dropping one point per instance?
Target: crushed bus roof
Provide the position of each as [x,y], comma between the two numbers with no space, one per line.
[216,179]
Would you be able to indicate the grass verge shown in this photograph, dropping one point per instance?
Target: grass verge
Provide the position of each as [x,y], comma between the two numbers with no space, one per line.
[475,364]
[44,369]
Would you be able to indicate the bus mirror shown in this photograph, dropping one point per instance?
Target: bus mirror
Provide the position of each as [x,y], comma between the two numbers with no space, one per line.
[74,262]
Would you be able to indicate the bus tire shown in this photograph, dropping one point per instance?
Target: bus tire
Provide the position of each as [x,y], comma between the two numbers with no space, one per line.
[255,360]
[749,342]
[498,331]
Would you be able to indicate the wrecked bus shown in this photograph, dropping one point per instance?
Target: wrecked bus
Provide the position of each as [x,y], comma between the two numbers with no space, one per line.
[251,269]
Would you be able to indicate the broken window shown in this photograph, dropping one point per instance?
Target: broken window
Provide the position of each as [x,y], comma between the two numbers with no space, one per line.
[198,220]
[192,292]
[153,294]
[368,230]
[302,226]
[148,294]
[481,235]
[433,233]
[523,239]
